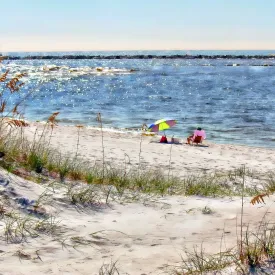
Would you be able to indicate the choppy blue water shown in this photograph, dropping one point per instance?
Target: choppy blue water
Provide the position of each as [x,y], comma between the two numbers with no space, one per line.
[234,104]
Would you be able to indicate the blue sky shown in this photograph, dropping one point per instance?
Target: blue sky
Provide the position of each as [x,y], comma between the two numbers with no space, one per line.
[57,25]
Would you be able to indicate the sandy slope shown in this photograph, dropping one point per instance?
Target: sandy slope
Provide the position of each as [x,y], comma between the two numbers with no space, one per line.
[143,236]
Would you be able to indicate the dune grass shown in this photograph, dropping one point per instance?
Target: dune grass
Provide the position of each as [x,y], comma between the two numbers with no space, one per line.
[109,269]
[257,256]
[24,157]
[254,252]
[17,227]
[198,262]
[37,160]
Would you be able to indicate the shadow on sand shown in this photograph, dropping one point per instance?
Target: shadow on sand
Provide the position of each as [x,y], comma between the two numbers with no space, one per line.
[180,143]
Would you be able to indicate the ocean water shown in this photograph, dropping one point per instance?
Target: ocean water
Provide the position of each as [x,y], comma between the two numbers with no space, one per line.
[232,99]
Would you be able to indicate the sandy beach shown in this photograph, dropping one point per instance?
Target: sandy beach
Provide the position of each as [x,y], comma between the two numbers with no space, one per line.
[148,236]
[121,147]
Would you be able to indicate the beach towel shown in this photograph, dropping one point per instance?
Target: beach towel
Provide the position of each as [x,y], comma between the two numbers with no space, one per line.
[163,139]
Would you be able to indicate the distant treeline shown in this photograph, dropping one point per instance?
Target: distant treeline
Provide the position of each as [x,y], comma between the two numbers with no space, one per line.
[142,56]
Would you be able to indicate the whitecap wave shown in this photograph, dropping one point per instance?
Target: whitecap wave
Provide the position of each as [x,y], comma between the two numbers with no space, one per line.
[54,72]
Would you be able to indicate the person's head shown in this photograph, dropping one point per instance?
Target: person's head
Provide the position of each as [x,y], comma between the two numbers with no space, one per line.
[199,128]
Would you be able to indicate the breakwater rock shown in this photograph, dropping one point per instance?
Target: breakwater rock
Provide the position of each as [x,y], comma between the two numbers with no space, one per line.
[142,56]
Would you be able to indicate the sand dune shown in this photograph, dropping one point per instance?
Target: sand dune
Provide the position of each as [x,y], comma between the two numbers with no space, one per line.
[144,236]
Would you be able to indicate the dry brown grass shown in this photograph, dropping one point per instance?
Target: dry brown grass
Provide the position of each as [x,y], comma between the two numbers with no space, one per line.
[12,85]
[15,84]
[259,199]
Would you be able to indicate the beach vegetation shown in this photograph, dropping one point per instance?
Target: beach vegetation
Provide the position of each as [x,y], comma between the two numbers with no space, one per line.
[2,210]
[207,210]
[109,269]
[17,227]
[89,177]
[23,157]
[40,158]
[256,257]
[80,241]
[258,248]
[254,252]
[22,255]
[87,195]
[198,262]
[268,189]
[36,162]
[99,119]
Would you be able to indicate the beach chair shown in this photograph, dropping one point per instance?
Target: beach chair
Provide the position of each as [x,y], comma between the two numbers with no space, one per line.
[197,140]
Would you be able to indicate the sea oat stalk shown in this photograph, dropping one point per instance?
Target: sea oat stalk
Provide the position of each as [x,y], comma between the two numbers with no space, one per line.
[78,138]
[99,119]
[143,128]
[241,244]
[170,157]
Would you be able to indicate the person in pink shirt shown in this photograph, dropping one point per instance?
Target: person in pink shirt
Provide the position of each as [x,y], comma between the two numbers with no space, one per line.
[199,132]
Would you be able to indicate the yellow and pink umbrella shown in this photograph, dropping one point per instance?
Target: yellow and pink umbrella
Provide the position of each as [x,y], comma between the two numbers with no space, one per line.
[162,125]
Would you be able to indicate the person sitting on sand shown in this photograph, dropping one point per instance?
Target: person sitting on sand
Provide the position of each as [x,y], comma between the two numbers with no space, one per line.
[197,133]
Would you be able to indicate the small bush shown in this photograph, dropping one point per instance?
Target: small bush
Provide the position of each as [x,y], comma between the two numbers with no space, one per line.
[109,269]
[89,177]
[198,262]
[85,195]
[36,162]
[18,228]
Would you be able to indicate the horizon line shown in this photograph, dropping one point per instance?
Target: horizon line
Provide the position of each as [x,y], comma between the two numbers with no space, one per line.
[57,51]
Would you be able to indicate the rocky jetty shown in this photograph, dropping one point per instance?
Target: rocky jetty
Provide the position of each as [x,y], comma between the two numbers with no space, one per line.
[141,56]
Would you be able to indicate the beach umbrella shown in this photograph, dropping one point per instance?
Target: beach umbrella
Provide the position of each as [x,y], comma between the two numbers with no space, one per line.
[162,125]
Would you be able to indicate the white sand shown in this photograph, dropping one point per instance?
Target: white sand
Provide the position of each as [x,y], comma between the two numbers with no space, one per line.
[185,159]
[143,238]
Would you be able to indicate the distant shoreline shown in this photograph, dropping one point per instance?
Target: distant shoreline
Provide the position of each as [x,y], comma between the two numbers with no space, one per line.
[139,56]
